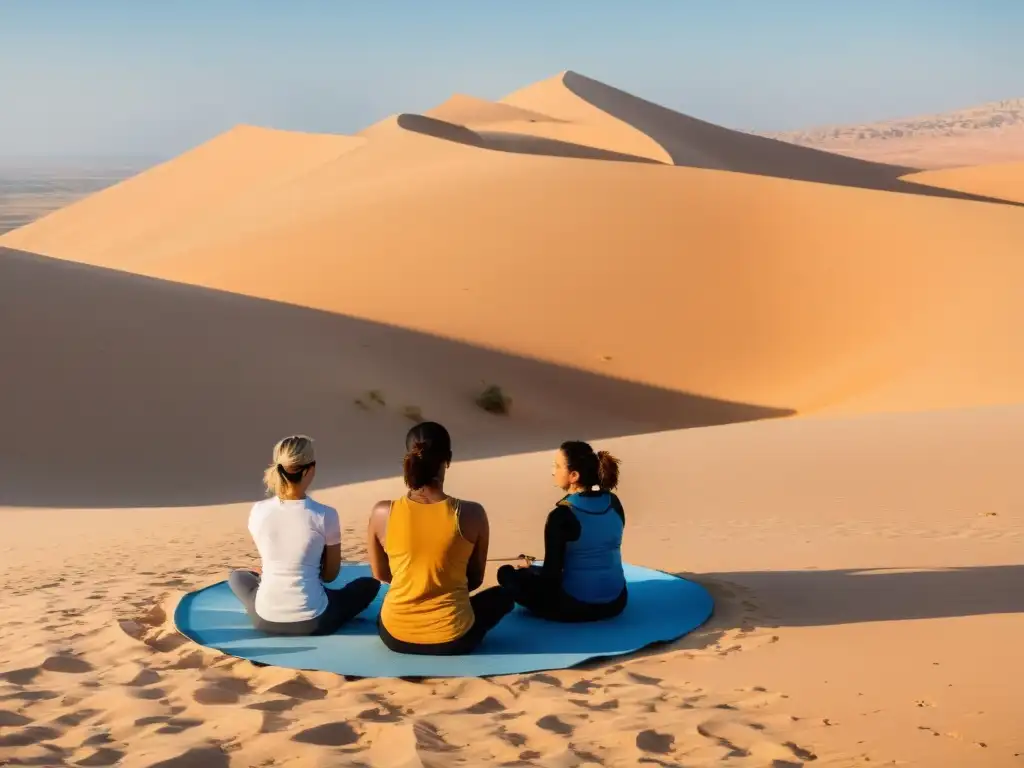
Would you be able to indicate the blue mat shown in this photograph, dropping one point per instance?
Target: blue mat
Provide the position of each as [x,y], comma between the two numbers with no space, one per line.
[661,608]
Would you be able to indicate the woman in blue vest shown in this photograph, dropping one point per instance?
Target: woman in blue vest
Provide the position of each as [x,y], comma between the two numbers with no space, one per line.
[581,578]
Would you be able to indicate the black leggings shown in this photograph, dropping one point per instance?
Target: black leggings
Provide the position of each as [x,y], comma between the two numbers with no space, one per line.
[540,597]
[342,605]
[489,607]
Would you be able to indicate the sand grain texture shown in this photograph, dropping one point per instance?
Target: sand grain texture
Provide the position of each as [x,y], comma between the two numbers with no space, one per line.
[809,365]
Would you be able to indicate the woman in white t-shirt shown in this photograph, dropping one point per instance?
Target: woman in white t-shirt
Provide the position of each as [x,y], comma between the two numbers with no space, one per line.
[299,542]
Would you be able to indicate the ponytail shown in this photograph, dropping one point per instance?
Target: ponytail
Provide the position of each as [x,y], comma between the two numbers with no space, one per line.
[600,469]
[607,471]
[428,449]
[291,458]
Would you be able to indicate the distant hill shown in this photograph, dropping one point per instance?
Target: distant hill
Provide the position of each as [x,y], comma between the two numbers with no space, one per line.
[986,133]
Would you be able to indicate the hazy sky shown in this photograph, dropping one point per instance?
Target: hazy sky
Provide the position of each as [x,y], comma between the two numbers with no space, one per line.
[155,77]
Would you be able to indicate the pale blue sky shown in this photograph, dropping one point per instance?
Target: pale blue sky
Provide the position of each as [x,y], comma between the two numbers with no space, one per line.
[155,77]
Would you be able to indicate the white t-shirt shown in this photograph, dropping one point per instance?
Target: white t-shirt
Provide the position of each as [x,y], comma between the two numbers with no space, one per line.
[290,536]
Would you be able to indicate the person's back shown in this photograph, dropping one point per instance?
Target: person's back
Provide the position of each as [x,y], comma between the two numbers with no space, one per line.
[432,550]
[582,578]
[290,535]
[428,601]
[592,571]
[299,544]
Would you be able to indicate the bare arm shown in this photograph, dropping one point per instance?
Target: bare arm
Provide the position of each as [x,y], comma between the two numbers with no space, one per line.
[475,528]
[330,563]
[376,531]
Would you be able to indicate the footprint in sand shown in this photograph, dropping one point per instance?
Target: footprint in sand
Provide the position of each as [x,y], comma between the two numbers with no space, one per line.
[177,725]
[652,741]
[555,725]
[488,706]
[602,707]
[30,696]
[274,723]
[143,678]
[339,734]
[101,757]
[636,677]
[226,690]
[583,686]
[22,676]
[97,739]
[298,688]
[511,737]
[381,714]
[75,719]
[149,694]
[198,757]
[12,719]
[274,705]
[27,736]
[67,664]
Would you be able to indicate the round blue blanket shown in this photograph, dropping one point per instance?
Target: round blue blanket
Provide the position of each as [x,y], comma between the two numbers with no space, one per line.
[661,608]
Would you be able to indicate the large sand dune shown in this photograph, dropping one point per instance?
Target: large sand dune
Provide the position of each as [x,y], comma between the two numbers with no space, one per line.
[173,378]
[626,274]
[737,286]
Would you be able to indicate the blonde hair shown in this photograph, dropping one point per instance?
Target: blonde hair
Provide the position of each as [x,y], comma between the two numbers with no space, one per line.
[291,455]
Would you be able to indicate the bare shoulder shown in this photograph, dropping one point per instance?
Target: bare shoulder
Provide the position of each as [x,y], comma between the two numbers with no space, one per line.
[381,508]
[379,517]
[472,508]
[472,517]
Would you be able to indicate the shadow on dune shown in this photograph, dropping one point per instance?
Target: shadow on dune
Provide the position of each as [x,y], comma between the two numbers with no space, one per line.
[503,141]
[849,596]
[538,145]
[122,390]
[699,144]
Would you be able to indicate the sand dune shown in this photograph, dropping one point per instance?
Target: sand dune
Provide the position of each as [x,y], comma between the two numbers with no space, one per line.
[687,141]
[142,210]
[770,291]
[153,364]
[1004,180]
[626,274]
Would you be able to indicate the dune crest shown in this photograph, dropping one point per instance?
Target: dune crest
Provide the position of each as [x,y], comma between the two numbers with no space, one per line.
[583,122]
[472,112]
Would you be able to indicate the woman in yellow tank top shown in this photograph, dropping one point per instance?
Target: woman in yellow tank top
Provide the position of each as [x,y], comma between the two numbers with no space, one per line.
[432,549]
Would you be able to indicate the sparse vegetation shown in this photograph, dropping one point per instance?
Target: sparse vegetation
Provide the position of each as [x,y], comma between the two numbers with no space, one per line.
[494,400]
[413,413]
[373,397]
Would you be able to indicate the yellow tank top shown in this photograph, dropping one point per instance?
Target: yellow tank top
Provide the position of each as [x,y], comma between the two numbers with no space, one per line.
[428,600]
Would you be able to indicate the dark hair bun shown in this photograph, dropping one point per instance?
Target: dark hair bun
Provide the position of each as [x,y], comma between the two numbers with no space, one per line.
[428,447]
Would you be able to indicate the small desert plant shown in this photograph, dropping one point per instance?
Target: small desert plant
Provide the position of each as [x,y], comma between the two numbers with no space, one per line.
[493,400]
[413,413]
[376,396]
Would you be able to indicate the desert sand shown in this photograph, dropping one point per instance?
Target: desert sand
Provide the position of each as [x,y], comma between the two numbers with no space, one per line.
[808,363]
[1004,180]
